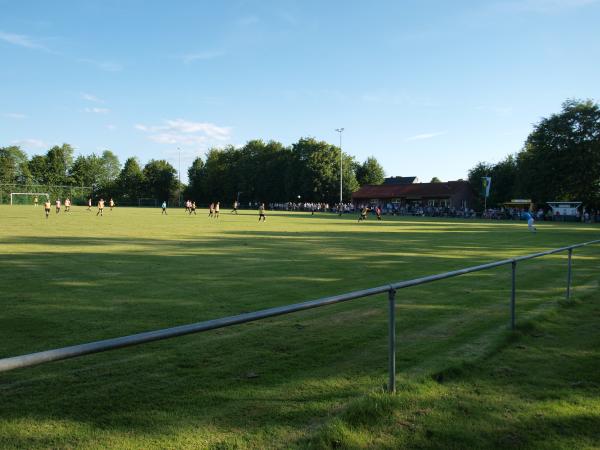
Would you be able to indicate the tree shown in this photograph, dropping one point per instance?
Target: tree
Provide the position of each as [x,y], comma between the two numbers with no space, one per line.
[58,163]
[87,171]
[480,170]
[435,180]
[196,180]
[317,171]
[111,167]
[14,167]
[161,182]
[561,157]
[370,172]
[38,169]
[504,181]
[131,182]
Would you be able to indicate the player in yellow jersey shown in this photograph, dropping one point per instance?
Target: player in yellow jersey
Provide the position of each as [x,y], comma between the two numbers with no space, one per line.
[100,207]
[47,207]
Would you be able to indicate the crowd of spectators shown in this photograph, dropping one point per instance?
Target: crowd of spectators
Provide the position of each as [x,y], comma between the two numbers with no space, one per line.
[394,209]
[420,210]
[540,215]
[312,207]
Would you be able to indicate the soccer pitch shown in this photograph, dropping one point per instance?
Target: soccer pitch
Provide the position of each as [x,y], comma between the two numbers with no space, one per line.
[307,379]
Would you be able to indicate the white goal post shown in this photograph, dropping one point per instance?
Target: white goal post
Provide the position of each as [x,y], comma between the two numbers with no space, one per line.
[33,194]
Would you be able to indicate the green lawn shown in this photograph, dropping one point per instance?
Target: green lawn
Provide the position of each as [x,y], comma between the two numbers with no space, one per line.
[311,379]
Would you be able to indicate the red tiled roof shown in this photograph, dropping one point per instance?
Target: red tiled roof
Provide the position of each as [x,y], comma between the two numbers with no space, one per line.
[417,190]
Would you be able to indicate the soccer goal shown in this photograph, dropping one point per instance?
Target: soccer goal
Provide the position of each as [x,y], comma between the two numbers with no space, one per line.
[26,198]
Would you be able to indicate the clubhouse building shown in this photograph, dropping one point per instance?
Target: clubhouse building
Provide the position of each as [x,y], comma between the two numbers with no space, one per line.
[407,191]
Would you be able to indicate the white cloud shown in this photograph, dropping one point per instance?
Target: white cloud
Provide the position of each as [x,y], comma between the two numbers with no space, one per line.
[21,40]
[200,56]
[91,98]
[30,143]
[13,115]
[420,137]
[185,132]
[111,127]
[97,110]
[108,66]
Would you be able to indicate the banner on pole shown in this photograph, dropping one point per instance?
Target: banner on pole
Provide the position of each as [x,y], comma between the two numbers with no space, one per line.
[486,182]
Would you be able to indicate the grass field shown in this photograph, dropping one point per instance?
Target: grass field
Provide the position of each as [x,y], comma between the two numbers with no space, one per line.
[309,380]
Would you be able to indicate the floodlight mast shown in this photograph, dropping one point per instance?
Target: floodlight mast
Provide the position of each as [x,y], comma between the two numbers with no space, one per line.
[179,173]
[340,130]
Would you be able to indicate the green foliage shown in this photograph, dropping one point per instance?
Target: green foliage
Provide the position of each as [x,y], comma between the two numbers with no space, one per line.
[270,172]
[196,188]
[559,161]
[58,162]
[14,167]
[435,180]
[161,181]
[111,167]
[37,168]
[130,181]
[317,171]
[256,172]
[87,170]
[370,172]
[561,157]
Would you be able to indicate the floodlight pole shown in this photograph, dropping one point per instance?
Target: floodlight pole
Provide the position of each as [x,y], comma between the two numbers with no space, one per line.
[340,130]
[179,174]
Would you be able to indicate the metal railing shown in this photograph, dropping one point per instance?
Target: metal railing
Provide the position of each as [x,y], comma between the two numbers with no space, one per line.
[34,359]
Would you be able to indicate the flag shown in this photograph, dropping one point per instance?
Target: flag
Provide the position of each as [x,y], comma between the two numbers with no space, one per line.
[487,182]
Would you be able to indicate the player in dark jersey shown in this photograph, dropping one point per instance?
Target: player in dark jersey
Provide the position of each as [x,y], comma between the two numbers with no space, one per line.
[363,214]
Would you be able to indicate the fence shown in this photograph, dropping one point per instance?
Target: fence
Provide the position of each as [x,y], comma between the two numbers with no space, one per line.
[77,194]
[33,359]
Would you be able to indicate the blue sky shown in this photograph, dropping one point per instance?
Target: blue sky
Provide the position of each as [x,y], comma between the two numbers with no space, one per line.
[427,87]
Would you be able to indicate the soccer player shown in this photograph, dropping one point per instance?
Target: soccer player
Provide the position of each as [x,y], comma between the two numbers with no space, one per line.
[363,214]
[261,213]
[57,205]
[527,215]
[100,207]
[111,203]
[378,213]
[164,208]
[89,204]
[67,205]
[235,207]
[193,208]
[217,209]
[211,210]
[47,207]
[188,207]
[35,201]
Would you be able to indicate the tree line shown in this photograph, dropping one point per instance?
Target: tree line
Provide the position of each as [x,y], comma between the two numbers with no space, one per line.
[560,161]
[308,170]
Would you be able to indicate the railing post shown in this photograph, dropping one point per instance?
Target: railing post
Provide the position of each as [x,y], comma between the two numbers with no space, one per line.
[569,275]
[392,341]
[513,294]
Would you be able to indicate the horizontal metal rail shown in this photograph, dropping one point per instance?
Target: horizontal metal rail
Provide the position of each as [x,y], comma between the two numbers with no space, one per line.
[73,351]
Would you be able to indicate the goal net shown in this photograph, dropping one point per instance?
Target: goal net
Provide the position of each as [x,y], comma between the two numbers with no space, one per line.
[28,198]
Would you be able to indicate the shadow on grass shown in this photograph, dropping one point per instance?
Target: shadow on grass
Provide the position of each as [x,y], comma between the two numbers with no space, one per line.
[263,378]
